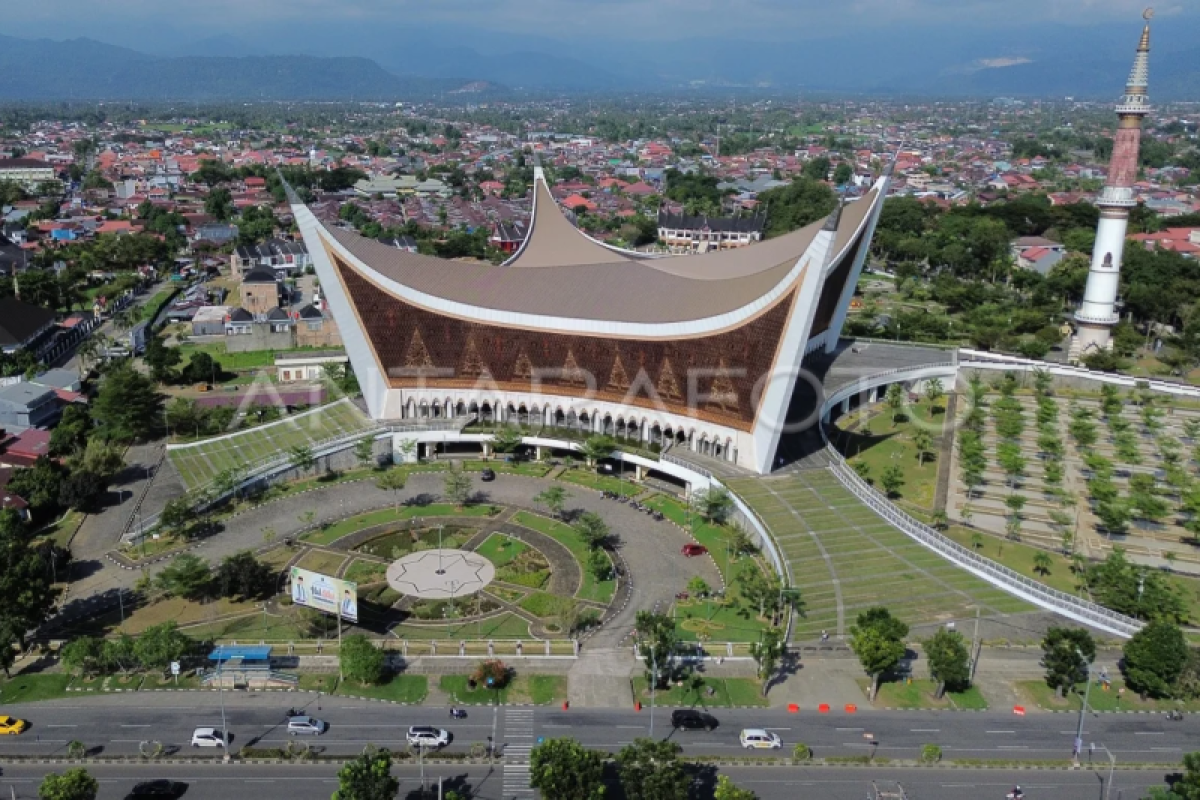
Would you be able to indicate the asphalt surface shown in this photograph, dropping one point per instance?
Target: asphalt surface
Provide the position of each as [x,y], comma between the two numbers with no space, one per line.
[117,724]
[301,782]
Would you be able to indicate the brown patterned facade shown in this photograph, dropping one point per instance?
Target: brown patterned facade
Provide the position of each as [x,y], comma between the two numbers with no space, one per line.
[418,348]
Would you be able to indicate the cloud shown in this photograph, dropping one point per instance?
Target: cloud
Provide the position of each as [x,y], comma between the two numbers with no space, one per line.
[774,20]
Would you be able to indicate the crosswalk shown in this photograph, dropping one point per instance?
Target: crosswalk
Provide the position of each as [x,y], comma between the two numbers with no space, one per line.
[518,742]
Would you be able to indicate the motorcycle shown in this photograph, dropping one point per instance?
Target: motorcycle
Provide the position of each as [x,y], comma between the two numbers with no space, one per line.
[1175,716]
[458,713]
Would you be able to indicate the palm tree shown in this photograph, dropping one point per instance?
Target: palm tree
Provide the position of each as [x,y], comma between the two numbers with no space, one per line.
[939,519]
[1042,563]
[923,441]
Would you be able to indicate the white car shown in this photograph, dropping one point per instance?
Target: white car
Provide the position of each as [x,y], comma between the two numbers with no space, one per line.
[427,737]
[208,737]
[757,738]
[306,725]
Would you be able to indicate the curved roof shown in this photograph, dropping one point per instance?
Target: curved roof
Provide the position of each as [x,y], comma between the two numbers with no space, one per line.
[588,281]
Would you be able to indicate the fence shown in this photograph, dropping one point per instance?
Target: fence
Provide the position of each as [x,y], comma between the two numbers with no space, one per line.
[994,573]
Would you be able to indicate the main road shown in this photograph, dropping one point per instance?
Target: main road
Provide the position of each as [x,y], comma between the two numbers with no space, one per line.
[312,781]
[116,724]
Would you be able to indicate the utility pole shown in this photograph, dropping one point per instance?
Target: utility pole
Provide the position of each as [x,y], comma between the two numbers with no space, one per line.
[1087,691]
[653,687]
[976,648]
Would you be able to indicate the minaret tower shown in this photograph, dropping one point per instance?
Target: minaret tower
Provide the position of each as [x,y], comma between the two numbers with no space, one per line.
[1097,314]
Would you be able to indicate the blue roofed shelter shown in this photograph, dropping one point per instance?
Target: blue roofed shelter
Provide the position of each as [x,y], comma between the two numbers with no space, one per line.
[244,667]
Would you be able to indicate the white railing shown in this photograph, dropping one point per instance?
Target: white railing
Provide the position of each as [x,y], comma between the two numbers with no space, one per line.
[982,359]
[994,573]
[686,464]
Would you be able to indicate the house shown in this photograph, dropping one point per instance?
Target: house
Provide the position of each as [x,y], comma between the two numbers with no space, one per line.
[698,234]
[23,325]
[210,320]
[23,448]
[315,327]
[279,254]
[28,405]
[260,290]
[62,380]
[218,233]
[508,236]
[28,172]
[239,322]
[10,500]
[406,243]
[1040,259]
[308,366]
[13,258]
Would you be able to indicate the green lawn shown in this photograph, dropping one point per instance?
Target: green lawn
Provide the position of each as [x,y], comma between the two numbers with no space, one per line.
[590,589]
[584,477]
[1039,694]
[337,530]
[717,622]
[826,533]
[879,443]
[363,571]
[399,688]
[155,304]
[534,468]
[31,688]
[501,549]
[501,626]
[318,561]
[536,689]
[726,692]
[918,693]
[540,604]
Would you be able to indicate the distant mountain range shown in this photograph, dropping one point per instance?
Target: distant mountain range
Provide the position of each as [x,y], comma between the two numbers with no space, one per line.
[341,61]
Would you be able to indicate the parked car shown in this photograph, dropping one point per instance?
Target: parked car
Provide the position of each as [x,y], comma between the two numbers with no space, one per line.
[693,549]
[689,719]
[208,737]
[11,726]
[156,789]
[757,738]
[426,736]
[488,475]
[299,726]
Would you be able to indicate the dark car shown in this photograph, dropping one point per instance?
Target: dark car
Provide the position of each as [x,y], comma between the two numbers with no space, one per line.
[692,549]
[157,789]
[488,475]
[691,720]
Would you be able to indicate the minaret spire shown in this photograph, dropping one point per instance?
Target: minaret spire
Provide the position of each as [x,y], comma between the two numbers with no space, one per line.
[1097,313]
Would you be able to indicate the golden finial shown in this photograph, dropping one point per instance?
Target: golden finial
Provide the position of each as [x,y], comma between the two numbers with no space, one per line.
[1144,44]
[1148,14]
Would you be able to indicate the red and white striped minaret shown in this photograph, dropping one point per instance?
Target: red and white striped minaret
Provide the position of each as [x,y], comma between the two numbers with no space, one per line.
[1097,313]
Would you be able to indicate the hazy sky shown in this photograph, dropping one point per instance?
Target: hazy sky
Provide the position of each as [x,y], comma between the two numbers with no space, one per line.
[125,21]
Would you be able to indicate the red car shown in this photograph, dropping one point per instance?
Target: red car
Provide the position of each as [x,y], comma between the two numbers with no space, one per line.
[694,549]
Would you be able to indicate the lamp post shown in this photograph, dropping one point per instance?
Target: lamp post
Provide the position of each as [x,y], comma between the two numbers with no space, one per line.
[653,687]
[1087,690]
[221,697]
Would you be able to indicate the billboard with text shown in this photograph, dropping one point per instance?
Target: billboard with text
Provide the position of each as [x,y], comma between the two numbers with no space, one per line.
[331,595]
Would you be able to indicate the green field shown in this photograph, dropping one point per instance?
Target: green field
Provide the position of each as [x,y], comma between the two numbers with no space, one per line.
[603,483]
[199,463]
[501,626]
[501,549]
[536,689]
[590,589]
[399,688]
[825,533]
[337,530]
[725,692]
[879,443]
[919,693]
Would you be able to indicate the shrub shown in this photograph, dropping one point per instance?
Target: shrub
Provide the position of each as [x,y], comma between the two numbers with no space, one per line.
[497,670]
[801,752]
[931,754]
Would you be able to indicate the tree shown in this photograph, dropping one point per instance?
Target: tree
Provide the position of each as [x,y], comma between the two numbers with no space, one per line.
[650,770]
[893,398]
[593,529]
[25,577]
[1155,657]
[892,480]
[506,440]
[657,641]
[128,407]
[176,515]
[757,588]
[301,458]
[74,784]
[83,655]
[565,768]
[1042,563]
[554,498]
[368,777]
[877,639]
[102,458]
[10,644]
[767,652]
[392,481]
[713,504]
[923,442]
[726,790]
[934,391]
[119,654]
[243,576]
[187,576]
[492,673]
[457,488]
[364,451]
[1066,652]
[159,645]
[219,204]
[201,368]
[72,431]
[362,661]
[161,359]
[600,565]
[949,660]
[82,491]
[595,448]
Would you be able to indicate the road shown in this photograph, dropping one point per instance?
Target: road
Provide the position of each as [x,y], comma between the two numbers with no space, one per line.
[117,724]
[301,782]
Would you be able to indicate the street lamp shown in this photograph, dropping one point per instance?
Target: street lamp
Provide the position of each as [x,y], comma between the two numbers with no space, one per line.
[1112,764]
[1087,690]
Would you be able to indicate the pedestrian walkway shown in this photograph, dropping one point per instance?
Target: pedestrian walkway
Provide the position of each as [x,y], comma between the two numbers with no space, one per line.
[518,742]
